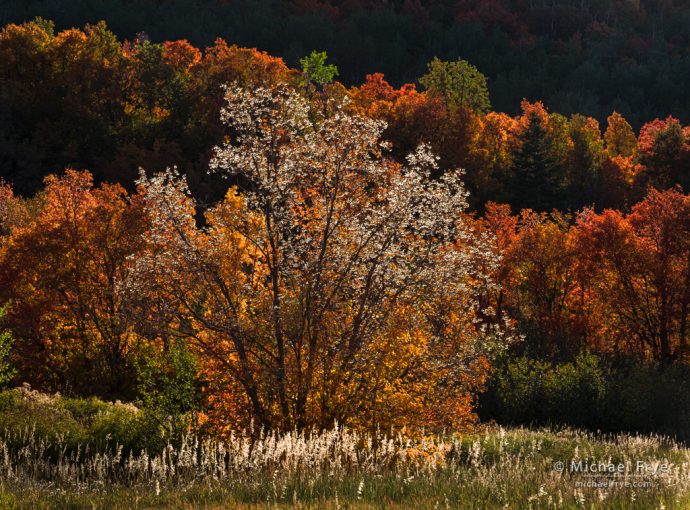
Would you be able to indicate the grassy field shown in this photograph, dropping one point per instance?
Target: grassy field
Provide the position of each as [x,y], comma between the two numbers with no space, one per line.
[492,468]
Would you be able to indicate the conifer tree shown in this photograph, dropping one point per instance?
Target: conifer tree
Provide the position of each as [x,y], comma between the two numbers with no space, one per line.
[536,177]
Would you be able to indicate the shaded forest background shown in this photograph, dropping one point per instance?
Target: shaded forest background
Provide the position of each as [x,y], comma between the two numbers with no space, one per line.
[88,99]
[578,56]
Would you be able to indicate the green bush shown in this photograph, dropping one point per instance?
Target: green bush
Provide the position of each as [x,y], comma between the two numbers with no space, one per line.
[104,426]
[7,371]
[528,391]
[517,392]
[84,410]
[574,393]
[612,396]
[134,431]
[649,399]
[24,411]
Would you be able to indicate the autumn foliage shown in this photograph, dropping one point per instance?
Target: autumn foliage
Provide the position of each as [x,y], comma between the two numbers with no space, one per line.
[336,286]
[610,282]
[322,258]
[66,251]
[83,99]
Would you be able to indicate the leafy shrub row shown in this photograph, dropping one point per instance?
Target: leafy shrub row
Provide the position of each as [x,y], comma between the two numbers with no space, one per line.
[591,393]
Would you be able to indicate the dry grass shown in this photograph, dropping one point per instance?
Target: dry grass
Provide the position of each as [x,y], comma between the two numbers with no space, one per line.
[495,468]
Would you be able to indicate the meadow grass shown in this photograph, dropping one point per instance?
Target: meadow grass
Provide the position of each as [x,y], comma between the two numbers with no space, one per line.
[340,468]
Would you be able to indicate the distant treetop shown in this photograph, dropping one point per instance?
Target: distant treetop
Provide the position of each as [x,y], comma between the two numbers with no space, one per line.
[459,83]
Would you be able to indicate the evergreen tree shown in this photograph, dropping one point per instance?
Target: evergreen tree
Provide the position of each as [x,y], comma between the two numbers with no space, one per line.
[584,161]
[537,176]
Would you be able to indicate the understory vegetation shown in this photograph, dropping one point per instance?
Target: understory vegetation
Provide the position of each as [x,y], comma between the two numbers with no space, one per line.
[590,392]
[81,461]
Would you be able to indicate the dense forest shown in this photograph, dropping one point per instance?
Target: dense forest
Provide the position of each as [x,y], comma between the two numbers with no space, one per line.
[578,56]
[344,254]
[161,206]
[86,100]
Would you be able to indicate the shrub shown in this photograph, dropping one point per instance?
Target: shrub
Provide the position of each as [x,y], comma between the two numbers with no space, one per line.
[169,381]
[516,392]
[529,391]
[126,426]
[7,371]
[23,410]
[591,392]
[575,392]
[105,426]
[84,410]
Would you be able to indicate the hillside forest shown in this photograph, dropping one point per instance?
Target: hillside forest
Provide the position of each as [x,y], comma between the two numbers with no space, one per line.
[212,232]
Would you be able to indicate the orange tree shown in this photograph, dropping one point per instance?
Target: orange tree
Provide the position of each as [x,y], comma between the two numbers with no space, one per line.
[62,260]
[335,285]
[638,266]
